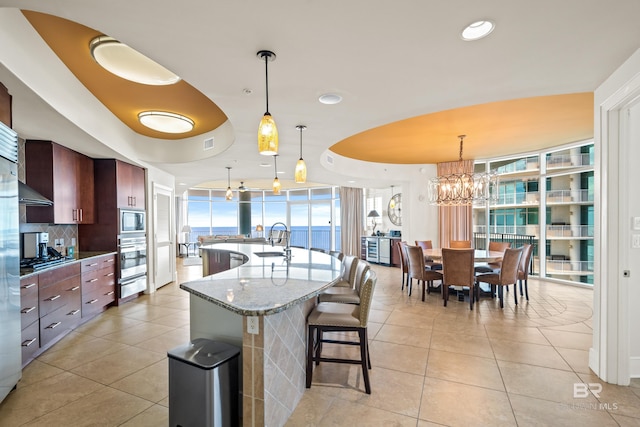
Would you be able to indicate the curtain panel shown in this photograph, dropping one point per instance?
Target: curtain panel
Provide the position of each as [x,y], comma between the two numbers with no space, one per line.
[456,222]
[351,225]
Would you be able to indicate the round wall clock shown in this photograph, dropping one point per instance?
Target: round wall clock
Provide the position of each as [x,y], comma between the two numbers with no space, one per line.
[394,209]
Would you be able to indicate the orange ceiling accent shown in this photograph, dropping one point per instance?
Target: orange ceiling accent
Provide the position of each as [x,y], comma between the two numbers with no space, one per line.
[493,130]
[125,99]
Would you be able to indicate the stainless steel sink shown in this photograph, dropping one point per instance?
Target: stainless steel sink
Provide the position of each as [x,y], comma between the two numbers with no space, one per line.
[269,254]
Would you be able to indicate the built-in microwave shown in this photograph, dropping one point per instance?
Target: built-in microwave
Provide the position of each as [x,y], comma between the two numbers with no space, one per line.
[132,221]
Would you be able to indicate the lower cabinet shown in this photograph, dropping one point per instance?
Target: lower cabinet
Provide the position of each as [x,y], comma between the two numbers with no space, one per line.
[58,300]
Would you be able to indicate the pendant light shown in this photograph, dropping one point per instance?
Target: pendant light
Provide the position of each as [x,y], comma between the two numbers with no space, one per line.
[392,202]
[301,168]
[267,131]
[276,181]
[229,195]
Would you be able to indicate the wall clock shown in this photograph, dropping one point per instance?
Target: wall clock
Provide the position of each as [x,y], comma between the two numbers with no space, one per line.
[394,209]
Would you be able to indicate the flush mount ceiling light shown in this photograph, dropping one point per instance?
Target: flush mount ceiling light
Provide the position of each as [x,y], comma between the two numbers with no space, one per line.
[267,131]
[242,188]
[477,30]
[463,188]
[229,194]
[300,173]
[276,181]
[128,63]
[166,122]
[330,98]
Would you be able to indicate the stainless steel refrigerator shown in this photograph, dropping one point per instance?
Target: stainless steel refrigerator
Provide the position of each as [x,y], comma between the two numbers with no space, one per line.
[10,349]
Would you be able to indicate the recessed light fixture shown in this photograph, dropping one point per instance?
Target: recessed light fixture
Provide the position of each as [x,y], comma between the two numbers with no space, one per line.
[166,122]
[330,98]
[477,30]
[265,165]
[128,63]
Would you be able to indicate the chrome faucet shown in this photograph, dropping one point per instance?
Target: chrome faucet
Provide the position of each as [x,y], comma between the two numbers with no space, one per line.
[287,235]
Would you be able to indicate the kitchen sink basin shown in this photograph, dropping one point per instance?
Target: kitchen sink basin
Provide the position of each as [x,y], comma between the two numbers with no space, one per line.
[269,254]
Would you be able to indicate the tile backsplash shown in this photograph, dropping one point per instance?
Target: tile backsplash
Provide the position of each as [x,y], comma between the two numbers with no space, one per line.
[56,231]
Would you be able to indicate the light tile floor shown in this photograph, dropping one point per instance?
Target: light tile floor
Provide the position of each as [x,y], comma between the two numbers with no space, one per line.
[431,365]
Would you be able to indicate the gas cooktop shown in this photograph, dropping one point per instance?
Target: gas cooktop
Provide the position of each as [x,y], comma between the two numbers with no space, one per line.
[39,263]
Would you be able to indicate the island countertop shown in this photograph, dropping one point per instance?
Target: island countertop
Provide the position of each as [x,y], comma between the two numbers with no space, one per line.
[266,285]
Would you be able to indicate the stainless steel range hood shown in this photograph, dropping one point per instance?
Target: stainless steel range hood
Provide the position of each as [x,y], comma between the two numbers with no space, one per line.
[30,197]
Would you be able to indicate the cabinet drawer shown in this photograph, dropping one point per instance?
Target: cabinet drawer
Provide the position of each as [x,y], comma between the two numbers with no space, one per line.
[48,278]
[95,279]
[29,301]
[30,341]
[98,263]
[94,302]
[59,294]
[59,322]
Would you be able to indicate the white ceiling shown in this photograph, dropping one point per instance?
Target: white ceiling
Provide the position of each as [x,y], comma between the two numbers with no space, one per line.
[389,60]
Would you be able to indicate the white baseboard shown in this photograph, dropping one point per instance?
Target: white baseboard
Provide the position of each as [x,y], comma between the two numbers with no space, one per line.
[634,367]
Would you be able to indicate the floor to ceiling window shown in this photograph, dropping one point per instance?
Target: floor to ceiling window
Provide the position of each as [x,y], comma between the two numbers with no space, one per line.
[312,215]
[546,199]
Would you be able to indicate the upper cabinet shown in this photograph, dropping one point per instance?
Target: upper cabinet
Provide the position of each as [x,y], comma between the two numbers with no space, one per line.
[5,105]
[63,176]
[130,185]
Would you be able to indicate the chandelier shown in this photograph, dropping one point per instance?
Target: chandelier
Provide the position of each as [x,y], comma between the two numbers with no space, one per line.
[300,172]
[463,188]
[229,194]
[267,131]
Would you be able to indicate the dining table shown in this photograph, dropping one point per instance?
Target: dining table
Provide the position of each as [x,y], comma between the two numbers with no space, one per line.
[480,255]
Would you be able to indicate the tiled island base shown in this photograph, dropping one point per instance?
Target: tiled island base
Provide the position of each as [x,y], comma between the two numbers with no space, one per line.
[273,360]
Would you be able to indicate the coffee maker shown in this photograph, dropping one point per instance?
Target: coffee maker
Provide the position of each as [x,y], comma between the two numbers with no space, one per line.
[34,245]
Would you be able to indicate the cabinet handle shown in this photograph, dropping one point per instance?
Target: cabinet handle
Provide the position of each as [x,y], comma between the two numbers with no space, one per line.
[73,312]
[93,301]
[92,264]
[53,325]
[135,202]
[27,310]
[75,288]
[53,298]
[109,274]
[74,217]
[30,285]
[80,214]
[109,260]
[110,293]
[27,343]
[92,280]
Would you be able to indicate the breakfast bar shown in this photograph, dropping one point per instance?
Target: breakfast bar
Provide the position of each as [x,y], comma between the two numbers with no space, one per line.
[256,297]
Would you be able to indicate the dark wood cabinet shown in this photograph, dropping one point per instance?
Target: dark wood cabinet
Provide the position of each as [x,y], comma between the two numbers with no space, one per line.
[130,185]
[98,285]
[5,105]
[120,186]
[363,248]
[59,295]
[30,318]
[63,176]
[395,255]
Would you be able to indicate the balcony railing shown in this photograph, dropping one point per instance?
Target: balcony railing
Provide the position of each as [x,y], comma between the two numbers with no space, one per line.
[569,267]
[557,230]
[527,230]
[519,198]
[569,196]
[569,160]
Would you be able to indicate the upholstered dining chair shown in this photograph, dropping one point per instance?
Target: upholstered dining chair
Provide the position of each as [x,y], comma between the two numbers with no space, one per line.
[349,263]
[508,274]
[459,244]
[335,317]
[424,244]
[404,264]
[457,270]
[523,270]
[337,254]
[427,244]
[419,271]
[344,294]
[493,267]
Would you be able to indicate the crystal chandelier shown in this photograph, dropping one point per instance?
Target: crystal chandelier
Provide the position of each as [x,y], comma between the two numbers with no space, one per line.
[463,188]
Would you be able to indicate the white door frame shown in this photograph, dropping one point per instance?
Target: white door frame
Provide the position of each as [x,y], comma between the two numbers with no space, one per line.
[169,192]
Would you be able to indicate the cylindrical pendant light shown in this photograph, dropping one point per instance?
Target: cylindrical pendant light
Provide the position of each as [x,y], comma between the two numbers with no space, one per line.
[267,131]
[229,195]
[276,181]
[300,173]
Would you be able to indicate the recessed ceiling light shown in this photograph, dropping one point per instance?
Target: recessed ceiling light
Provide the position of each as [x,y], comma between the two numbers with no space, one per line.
[163,121]
[477,30]
[330,98]
[128,63]
[265,165]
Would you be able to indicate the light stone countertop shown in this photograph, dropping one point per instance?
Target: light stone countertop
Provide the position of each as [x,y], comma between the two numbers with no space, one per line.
[266,285]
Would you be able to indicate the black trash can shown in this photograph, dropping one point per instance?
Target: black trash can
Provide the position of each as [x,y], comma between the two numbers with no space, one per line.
[203,384]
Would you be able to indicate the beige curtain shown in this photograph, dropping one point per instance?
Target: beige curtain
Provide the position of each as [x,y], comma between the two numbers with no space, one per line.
[456,222]
[351,225]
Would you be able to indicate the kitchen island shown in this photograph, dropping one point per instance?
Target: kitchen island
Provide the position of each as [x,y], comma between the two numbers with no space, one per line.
[257,299]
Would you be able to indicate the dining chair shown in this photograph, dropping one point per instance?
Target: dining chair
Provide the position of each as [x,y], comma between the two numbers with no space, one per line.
[493,267]
[459,244]
[404,264]
[337,254]
[336,317]
[427,244]
[523,271]
[458,270]
[424,244]
[508,274]
[344,294]
[419,271]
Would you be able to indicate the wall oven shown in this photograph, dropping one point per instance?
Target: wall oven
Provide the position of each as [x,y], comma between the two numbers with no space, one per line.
[130,221]
[132,257]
